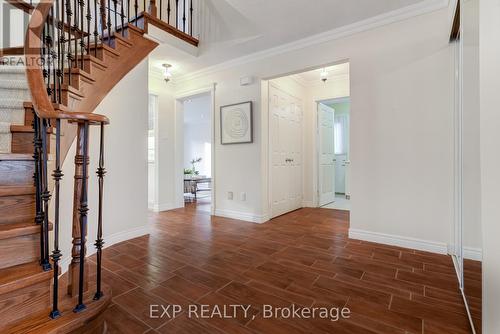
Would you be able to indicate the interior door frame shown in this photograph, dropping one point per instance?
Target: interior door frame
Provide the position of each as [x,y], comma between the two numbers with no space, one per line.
[319,141]
[316,164]
[179,139]
[270,151]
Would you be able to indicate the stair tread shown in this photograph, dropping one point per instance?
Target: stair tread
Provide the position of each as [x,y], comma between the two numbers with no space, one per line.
[17,277]
[11,230]
[17,190]
[26,128]
[15,156]
[80,72]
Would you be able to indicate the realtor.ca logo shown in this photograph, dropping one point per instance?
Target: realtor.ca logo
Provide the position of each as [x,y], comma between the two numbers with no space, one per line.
[233,311]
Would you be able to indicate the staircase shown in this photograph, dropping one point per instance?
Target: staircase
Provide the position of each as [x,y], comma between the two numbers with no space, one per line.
[75,52]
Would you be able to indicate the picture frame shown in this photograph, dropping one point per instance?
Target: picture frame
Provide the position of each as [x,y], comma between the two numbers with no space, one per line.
[236,123]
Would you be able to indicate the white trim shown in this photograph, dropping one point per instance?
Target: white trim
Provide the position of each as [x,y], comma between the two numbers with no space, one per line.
[164,207]
[245,216]
[110,241]
[471,253]
[308,204]
[424,7]
[396,240]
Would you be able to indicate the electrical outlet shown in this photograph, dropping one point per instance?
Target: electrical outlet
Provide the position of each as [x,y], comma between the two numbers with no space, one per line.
[230,195]
[243,196]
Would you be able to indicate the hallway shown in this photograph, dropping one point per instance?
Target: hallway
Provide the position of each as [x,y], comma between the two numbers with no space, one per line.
[302,258]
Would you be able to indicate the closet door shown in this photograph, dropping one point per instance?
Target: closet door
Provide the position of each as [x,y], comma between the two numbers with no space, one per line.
[285,137]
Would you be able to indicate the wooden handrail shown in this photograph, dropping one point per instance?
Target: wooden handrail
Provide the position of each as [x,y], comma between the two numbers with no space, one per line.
[40,99]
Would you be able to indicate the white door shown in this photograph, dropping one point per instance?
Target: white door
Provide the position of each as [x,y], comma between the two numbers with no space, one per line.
[285,134]
[326,150]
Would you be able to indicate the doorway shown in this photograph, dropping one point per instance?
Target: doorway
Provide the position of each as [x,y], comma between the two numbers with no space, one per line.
[333,123]
[197,151]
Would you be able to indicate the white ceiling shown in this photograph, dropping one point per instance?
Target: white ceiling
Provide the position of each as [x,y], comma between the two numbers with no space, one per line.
[235,28]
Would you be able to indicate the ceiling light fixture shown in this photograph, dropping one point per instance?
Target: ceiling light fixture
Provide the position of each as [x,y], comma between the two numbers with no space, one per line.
[324,75]
[167,73]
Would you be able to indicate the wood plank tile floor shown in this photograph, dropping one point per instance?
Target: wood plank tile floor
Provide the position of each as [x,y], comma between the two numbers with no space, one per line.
[303,258]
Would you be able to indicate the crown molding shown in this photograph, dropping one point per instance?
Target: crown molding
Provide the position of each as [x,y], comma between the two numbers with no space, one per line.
[424,7]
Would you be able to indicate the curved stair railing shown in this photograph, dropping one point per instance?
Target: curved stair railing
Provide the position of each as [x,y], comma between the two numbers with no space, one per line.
[47,47]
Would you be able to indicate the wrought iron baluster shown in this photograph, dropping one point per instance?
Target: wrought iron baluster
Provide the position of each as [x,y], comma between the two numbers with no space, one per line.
[191,18]
[69,56]
[56,253]
[160,8]
[122,15]
[128,10]
[89,20]
[103,22]
[101,171]
[109,22]
[47,58]
[115,2]
[177,14]
[144,6]
[96,32]
[184,15]
[82,32]
[75,32]
[136,6]
[53,56]
[83,217]
[61,53]
[37,177]
[45,194]
[168,12]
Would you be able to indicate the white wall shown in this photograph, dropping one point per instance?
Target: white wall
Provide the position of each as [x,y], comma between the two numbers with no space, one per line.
[197,133]
[125,184]
[401,128]
[489,50]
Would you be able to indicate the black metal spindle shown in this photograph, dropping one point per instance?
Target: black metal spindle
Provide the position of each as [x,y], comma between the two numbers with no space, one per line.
[168,12]
[115,2]
[53,56]
[61,49]
[82,32]
[144,5]
[45,194]
[69,56]
[75,32]
[83,218]
[109,22]
[37,177]
[89,20]
[160,8]
[47,59]
[96,32]
[103,21]
[136,6]
[184,16]
[191,18]
[122,16]
[101,171]
[56,253]
[128,10]
[177,13]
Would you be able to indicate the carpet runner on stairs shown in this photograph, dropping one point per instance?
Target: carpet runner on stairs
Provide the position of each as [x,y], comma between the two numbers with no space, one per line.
[13,93]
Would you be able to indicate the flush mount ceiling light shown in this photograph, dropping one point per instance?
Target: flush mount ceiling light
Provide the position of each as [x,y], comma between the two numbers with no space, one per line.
[167,73]
[324,75]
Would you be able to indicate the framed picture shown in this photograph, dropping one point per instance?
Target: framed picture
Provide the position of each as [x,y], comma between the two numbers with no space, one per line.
[236,123]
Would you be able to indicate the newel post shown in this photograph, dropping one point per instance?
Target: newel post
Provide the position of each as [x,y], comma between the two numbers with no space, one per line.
[75,283]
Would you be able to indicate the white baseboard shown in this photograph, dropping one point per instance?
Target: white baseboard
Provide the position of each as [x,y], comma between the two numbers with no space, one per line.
[245,216]
[164,207]
[471,253]
[308,204]
[396,240]
[108,242]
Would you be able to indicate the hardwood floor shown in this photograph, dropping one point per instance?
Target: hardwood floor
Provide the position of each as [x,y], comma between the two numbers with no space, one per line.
[303,258]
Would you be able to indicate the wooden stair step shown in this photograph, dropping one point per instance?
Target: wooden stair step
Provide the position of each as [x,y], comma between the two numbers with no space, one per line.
[22,138]
[12,230]
[88,321]
[118,40]
[16,169]
[17,203]
[17,190]
[18,277]
[91,64]
[104,51]
[24,290]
